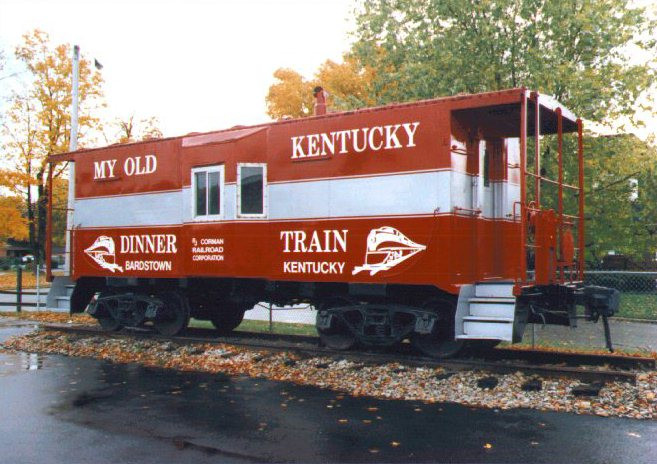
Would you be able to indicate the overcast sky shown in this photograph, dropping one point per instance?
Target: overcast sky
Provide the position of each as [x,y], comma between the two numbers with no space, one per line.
[196,65]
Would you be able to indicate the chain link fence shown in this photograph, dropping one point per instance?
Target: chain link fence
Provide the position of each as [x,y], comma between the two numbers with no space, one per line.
[638,291]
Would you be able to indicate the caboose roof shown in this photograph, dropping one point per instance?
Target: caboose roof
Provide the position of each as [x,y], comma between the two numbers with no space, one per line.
[504,105]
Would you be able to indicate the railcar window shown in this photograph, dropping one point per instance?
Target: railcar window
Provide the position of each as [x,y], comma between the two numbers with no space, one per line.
[201,194]
[486,169]
[213,193]
[251,191]
[207,188]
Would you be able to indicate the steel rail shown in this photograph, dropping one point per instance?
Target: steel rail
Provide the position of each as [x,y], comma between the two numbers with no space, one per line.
[501,362]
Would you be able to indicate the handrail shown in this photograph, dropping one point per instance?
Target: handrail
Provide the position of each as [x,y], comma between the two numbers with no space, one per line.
[523,188]
[565,271]
[537,149]
[474,211]
[580,224]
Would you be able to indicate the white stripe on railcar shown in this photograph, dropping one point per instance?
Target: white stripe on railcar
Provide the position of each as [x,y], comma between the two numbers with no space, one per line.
[408,194]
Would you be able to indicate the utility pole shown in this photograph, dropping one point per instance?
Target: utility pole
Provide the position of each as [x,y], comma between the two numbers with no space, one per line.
[73,145]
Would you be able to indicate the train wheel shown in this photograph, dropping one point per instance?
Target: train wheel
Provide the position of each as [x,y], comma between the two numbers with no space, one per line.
[338,336]
[108,323]
[175,315]
[440,343]
[227,319]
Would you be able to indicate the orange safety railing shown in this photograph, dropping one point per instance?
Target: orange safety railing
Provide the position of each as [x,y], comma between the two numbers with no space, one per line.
[566,270]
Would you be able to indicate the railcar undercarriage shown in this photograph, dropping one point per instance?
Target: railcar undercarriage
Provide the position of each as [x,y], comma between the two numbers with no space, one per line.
[167,310]
[343,324]
[435,322]
[557,304]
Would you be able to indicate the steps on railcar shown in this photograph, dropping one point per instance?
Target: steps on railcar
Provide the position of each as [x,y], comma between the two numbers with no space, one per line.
[59,296]
[486,310]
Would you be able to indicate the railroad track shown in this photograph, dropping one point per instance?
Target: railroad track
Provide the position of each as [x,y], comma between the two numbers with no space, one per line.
[585,367]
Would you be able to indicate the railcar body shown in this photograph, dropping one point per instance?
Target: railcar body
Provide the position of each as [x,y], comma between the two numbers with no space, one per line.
[404,221]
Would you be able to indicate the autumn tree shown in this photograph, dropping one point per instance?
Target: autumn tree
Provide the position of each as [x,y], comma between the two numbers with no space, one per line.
[38,123]
[347,83]
[290,97]
[12,222]
[130,130]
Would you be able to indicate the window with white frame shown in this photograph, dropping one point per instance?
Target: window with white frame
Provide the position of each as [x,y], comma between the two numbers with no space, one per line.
[207,193]
[252,190]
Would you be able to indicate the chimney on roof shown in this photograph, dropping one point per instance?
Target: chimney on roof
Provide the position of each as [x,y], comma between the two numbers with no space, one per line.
[320,100]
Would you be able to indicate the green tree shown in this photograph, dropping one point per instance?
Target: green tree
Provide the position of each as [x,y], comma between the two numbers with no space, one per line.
[37,123]
[575,50]
[620,196]
[645,218]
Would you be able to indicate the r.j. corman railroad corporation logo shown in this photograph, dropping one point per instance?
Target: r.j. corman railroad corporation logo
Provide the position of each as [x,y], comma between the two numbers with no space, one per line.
[386,248]
[103,253]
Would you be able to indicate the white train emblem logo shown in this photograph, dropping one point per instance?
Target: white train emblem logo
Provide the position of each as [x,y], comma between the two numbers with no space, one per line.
[386,248]
[102,251]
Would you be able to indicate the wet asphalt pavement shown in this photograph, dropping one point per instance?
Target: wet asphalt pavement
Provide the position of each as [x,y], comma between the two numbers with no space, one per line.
[59,409]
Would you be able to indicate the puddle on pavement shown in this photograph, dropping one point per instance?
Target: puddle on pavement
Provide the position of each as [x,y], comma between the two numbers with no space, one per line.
[13,363]
[14,328]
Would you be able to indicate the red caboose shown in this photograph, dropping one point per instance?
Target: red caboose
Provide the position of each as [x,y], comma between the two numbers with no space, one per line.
[416,220]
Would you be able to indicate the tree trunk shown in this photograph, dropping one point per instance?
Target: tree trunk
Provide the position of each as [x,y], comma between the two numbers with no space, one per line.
[30,219]
[42,207]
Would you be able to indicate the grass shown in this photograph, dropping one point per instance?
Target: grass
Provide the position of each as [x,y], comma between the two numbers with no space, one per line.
[50,317]
[8,280]
[638,306]
[283,328]
[573,347]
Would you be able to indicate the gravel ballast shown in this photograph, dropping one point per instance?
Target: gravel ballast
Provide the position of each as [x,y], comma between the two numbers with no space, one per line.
[473,388]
